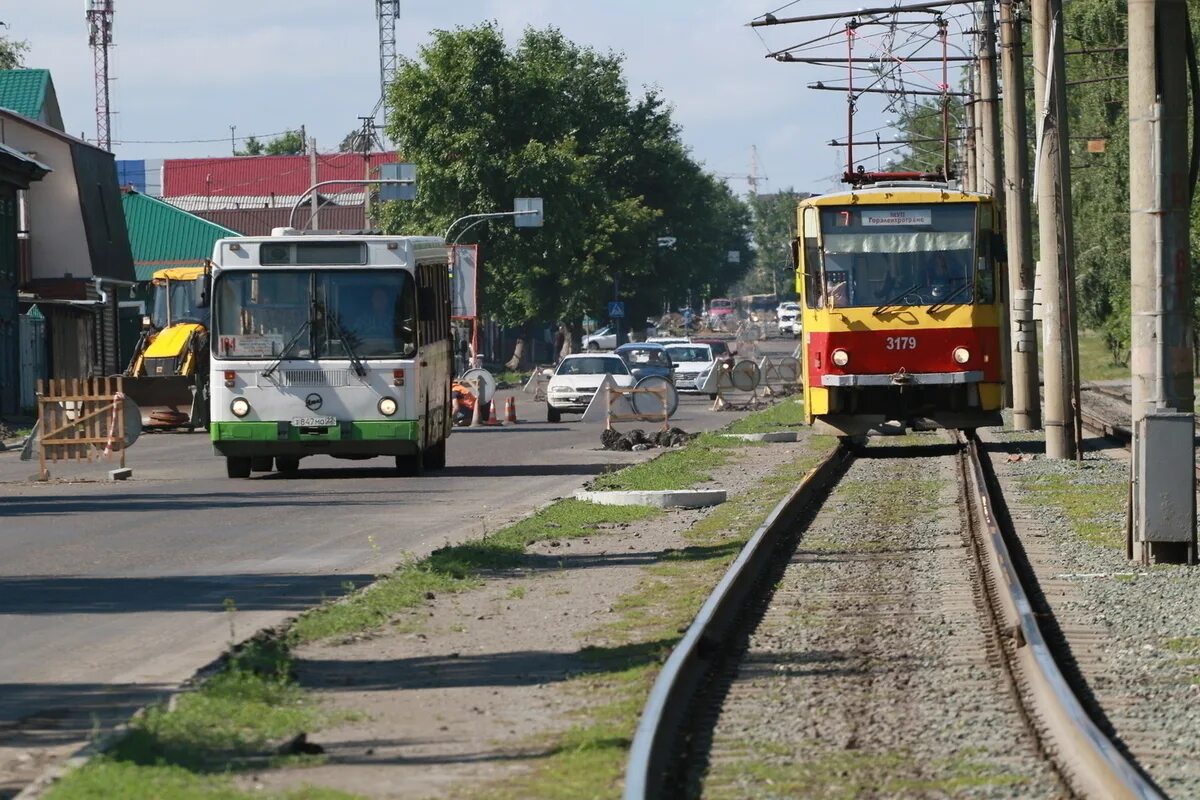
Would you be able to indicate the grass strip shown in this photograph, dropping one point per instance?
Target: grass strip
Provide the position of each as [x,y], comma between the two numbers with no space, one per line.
[685,468]
[588,760]
[785,415]
[1094,507]
[236,719]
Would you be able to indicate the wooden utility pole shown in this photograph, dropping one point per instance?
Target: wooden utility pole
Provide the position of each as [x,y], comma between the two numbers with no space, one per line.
[987,112]
[1023,358]
[1055,234]
[1163,511]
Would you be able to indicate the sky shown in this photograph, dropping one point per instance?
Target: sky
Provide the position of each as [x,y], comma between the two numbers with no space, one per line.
[185,72]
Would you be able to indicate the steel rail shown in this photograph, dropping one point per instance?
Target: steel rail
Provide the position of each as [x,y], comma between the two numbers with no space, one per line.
[1090,762]
[656,744]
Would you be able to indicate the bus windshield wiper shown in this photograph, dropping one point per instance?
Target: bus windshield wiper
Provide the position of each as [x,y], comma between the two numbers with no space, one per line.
[895,300]
[360,369]
[946,300]
[274,365]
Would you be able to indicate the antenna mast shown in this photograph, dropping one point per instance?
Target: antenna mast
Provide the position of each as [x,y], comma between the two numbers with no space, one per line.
[100,28]
[387,12]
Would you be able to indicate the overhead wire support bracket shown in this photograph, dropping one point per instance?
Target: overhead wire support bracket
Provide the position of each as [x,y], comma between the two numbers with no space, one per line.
[770,19]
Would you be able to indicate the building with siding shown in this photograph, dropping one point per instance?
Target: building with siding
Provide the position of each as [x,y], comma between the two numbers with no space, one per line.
[17,172]
[74,247]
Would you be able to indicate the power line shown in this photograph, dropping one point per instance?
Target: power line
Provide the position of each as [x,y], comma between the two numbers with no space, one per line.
[202,141]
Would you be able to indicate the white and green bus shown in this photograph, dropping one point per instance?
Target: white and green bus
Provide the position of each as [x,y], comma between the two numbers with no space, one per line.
[330,344]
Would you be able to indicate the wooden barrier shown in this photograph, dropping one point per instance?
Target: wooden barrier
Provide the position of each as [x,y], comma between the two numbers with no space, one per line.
[78,417]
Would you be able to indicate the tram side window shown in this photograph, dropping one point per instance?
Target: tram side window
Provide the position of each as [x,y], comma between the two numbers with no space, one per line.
[812,273]
[985,270]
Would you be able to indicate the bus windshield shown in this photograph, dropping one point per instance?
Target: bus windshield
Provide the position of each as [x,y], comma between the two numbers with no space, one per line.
[337,314]
[875,255]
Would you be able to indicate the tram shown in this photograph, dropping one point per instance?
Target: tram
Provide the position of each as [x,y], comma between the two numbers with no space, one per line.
[901,286]
[330,344]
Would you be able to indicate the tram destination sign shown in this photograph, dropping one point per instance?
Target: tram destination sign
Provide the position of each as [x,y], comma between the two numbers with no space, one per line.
[897,216]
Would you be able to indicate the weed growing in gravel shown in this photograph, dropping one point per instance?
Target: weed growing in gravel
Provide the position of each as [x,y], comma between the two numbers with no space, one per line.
[1093,505]
[457,567]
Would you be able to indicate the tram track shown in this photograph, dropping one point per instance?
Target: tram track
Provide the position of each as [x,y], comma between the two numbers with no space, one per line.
[936,616]
[1105,419]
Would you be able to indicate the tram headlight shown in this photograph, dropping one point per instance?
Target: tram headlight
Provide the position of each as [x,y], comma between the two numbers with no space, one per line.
[961,355]
[240,406]
[840,357]
[387,406]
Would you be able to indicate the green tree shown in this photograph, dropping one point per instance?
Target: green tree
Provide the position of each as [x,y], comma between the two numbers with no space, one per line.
[289,144]
[485,123]
[774,231]
[12,53]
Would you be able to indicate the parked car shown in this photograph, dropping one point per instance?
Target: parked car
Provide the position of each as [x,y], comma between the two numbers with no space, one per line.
[646,358]
[576,380]
[720,348]
[603,339]
[693,362]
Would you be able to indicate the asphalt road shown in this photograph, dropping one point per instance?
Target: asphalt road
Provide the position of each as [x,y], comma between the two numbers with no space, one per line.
[111,593]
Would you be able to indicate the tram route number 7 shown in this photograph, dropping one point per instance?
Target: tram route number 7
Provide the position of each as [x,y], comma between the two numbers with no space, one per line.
[901,343]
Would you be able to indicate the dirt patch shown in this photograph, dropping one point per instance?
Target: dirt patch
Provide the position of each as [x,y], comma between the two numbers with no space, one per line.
[470,688]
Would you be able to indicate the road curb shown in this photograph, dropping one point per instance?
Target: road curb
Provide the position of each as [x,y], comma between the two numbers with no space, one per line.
[689,498]
[773,436]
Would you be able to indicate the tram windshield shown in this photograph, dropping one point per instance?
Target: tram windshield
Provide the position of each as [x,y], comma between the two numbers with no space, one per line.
[875,255]
[334,314]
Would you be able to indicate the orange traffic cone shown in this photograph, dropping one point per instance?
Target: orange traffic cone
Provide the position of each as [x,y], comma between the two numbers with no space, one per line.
[510,409]
[492,413]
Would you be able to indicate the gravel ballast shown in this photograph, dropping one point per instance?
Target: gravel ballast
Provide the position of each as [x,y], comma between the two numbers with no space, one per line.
[871,673]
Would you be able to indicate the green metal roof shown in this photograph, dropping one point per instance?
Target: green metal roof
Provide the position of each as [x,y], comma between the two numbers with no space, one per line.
[24,90]
[162,235]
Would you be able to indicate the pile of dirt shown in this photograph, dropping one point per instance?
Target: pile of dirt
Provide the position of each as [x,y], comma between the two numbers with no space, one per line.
[637,439]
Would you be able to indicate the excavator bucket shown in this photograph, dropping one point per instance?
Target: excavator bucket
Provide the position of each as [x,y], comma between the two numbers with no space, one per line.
[167,401]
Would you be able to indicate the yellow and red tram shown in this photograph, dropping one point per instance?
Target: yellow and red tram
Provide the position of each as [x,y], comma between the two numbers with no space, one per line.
[901,287]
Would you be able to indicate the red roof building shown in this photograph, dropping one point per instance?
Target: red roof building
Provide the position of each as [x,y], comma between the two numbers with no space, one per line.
[263,181]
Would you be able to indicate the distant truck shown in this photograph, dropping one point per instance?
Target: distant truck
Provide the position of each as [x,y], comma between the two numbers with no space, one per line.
[721,312]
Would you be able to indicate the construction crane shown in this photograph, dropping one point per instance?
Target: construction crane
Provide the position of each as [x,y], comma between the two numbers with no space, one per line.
[753,178]
[100,29]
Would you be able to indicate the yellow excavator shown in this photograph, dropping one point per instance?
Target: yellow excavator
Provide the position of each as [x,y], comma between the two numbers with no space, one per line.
[168,375]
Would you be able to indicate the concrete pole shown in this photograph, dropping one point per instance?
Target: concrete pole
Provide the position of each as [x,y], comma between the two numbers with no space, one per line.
[1055,231]
[988,113]
[1026,399]
[312,176]
[1163,509]
[971,179]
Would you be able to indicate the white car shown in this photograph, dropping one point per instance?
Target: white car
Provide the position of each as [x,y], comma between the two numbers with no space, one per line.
[603,339]
[576,380]
[788,316]
[693,362]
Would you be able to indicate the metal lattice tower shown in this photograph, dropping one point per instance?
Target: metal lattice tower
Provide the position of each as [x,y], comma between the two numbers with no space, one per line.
[100,30]
[387,12]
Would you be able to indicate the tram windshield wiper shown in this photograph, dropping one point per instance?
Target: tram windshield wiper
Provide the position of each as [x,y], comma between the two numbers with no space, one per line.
[896,300]
[274,365]
[946,300]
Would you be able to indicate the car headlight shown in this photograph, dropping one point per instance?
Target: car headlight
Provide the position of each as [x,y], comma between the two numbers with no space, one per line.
[387,406]
[962,355]
[240,406]
[840,357]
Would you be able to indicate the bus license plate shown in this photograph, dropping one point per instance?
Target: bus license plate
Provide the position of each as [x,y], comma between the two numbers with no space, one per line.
[314,422]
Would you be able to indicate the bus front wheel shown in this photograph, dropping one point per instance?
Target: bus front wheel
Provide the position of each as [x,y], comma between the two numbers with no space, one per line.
[237,466]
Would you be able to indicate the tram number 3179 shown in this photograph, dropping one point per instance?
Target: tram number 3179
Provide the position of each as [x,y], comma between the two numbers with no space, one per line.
[901,343]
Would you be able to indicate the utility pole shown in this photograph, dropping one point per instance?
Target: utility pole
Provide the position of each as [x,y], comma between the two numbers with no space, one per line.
[989,142]
[233,140]
[1163,511]
[1055,234]
[972,177]
[1023,358]
[365,139]
[312,179]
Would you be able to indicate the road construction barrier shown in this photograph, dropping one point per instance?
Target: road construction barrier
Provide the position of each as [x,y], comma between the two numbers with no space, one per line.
[82,419]
[536,385]
[779,374]
[649,401]
[737,386]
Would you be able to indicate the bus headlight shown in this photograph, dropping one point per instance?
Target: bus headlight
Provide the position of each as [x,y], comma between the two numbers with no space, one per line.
[962,355]
[387,406]
[240,406]
[840,357]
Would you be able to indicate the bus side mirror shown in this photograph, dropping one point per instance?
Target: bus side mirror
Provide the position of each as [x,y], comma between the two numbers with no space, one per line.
[201,293]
